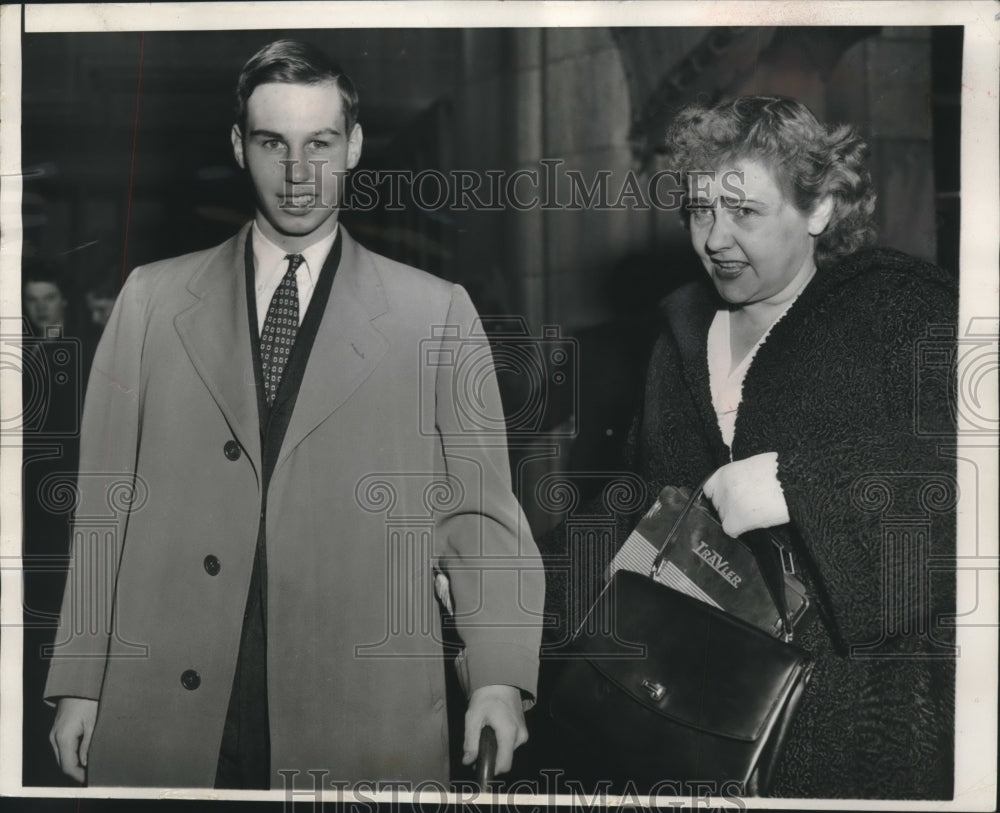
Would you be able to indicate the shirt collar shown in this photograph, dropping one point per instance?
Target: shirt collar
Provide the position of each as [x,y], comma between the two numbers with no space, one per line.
[269,254]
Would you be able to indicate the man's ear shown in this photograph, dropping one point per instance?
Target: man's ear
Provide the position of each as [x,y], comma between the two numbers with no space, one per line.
[354,141]
[237,138]
[820,217]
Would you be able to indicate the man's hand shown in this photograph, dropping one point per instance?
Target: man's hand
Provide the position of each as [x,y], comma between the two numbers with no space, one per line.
[71,733]
[498,706]
[747,495]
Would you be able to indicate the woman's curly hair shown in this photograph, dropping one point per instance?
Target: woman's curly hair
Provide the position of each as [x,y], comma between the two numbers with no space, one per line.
[809,159]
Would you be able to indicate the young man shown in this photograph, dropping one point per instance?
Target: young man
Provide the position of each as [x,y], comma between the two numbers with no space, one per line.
[286,413]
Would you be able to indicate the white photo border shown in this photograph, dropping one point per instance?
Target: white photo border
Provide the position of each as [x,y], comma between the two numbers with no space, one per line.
[976,710]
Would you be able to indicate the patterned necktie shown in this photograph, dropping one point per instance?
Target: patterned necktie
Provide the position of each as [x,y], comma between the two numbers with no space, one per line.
[280,326]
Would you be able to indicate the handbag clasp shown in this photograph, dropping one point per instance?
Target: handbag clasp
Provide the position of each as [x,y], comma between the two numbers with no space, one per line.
[656,690]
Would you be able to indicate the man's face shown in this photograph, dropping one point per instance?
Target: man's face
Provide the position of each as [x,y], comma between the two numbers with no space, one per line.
[100,308]
[297,153]
[44,305]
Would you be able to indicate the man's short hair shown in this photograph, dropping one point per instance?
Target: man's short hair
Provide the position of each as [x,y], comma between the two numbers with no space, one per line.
[293,62]
[42,271]
[107,285]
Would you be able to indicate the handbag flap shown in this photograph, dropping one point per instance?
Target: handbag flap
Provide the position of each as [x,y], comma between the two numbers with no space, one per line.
[687,660]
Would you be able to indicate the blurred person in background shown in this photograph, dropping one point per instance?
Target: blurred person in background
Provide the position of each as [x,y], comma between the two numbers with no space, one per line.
[45,301]
[53,366]
[99,300]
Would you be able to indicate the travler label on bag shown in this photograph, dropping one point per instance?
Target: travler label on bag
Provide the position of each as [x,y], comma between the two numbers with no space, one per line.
[705,563]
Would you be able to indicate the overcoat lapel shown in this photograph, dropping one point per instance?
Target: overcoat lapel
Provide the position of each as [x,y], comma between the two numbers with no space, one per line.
[689,313]
[215,332]
[347,347]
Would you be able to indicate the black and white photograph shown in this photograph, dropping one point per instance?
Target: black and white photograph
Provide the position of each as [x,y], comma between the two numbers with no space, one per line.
[490,404]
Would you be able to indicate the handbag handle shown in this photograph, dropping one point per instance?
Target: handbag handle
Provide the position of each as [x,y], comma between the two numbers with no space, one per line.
[692,500]
[759,543]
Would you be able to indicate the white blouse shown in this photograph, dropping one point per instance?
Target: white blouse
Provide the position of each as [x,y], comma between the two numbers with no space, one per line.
[726,380]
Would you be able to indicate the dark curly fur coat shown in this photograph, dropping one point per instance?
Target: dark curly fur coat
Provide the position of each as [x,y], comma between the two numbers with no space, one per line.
[862,435]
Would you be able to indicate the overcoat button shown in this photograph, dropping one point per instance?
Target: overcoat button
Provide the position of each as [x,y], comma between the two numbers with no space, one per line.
[212,565]
[190,680]
[232,450]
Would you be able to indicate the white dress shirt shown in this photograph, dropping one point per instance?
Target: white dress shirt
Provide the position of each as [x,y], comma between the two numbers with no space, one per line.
[270,266]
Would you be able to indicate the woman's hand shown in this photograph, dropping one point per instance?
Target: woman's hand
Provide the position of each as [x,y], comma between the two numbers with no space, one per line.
[747,495]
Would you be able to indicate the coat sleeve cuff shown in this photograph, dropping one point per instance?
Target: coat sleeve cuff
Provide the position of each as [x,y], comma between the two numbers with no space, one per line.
[500,664]
[772,492]
[64,681]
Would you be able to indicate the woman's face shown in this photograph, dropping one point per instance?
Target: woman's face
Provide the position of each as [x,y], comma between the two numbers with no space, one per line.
[756,246]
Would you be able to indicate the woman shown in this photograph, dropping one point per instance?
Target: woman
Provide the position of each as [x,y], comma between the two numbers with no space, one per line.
[787,377]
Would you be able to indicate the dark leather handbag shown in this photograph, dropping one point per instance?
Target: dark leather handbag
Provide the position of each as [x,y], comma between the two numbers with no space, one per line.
[669,690]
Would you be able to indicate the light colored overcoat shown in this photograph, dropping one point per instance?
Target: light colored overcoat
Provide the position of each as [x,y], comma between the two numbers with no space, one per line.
[394,462]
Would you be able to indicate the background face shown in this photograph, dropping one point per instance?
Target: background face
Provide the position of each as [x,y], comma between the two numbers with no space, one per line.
[44,304]
[99,308]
